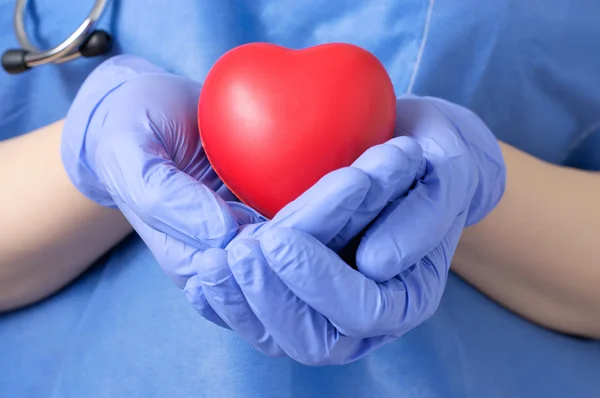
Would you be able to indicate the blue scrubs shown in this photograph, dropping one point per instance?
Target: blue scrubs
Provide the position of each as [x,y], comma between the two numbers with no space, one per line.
[529,68]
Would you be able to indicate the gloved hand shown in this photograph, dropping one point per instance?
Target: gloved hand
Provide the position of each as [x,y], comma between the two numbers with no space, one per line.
[287,293]
[131,141]
[464,180]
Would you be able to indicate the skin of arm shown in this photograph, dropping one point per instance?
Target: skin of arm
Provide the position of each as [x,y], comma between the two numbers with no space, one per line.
[538,252]
[50,233]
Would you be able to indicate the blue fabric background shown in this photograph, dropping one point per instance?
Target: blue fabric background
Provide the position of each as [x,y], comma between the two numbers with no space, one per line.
[530,69]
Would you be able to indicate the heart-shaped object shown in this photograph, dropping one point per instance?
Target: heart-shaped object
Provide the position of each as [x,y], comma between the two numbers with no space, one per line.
[273,120]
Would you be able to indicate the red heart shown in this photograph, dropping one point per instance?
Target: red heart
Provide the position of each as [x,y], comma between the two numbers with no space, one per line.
[273,121]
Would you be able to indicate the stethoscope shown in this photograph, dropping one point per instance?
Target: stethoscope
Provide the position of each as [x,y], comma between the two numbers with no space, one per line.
[85,41]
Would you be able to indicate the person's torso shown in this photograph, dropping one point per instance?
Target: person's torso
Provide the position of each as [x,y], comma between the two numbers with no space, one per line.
[528,68]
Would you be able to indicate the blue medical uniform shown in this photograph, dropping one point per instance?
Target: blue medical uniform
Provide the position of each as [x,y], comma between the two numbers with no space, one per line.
[531,69]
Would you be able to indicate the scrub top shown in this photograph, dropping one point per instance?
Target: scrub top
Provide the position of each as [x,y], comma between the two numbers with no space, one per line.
[530,69]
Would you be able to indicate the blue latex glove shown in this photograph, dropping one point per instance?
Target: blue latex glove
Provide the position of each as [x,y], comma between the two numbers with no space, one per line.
[287,293]
[131,141]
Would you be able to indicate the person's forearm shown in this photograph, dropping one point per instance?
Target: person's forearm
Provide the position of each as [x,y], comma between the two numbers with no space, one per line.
[538,252]
[49,232]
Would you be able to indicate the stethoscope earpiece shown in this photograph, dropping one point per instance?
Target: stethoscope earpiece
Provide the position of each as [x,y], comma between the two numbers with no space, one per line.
[85,42]
[98,43]
[13,61]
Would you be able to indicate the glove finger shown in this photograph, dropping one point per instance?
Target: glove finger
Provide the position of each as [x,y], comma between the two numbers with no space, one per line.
[316,275]
[405,231]
[279,310]
[194,293]
[392,169]
[141,161]
[227,300]
[414,225]
[356,305]
[425,281]
[415,169]
[304,334]
[324,209]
